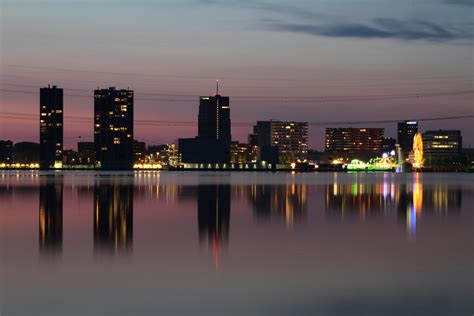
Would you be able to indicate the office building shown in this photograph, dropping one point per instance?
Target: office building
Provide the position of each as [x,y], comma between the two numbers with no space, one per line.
[289,139]
[406,132]
[6,151]
[442,144]
[349,142]
[212,145]
[51,127]
[113,128]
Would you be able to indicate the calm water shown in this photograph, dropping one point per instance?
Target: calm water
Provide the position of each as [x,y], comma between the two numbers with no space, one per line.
[236,244]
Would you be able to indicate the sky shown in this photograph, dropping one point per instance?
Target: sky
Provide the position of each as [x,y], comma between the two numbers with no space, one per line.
[268,56]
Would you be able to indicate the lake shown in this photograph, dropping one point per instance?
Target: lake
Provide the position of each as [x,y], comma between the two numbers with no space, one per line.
[223,243]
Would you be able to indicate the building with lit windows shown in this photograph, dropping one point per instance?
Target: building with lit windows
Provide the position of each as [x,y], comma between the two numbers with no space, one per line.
[442,144]
[289,138]
[212,145]
[6,151]
[51,127]
[86,153]
[349,142]
[113,128]
[405,133]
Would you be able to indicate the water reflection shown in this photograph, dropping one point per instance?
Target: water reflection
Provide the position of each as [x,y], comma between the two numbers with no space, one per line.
[283,202]
[51,215]
[357,200]
[113,217]
[214,217]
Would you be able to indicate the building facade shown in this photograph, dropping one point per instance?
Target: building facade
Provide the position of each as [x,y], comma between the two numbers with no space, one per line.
[51,127]
[405,133]
[6,151]
[212,145]
[86,153]
[113,128]
[442,144]
[354,142]
[290,139]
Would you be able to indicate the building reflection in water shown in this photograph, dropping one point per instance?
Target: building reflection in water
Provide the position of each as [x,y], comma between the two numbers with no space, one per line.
[358,200]
[285,202]
[51,215]
[113,217]
[214,217]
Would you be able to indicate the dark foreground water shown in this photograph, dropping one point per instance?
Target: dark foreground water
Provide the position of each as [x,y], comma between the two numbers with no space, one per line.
[236,244]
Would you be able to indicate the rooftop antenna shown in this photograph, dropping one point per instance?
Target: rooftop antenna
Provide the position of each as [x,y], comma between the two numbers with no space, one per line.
[217,87]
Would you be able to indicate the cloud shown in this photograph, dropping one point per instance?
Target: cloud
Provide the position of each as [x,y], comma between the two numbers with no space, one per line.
[267,7]
[381,28]
[460,2]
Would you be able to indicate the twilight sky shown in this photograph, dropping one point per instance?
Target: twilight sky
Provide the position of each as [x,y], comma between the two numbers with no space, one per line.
[170,52]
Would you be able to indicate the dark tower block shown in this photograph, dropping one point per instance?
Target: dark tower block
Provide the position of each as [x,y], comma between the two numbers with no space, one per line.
[113,128]
[51,128]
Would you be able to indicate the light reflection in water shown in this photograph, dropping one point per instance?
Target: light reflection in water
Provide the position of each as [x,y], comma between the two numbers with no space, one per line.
[113,217]
[51,215]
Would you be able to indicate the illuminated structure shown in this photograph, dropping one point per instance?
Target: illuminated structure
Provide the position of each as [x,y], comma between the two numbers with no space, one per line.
[406,132]
[113,128]
[51,127]
[442,143]
[417,151]
[212,145]
[113,217]
[354,142]
[290,139]
[50,215]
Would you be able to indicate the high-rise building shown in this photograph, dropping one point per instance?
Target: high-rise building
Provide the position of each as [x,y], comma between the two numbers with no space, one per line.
[214,118]
[113,128]
[51,127]
[6,151]
[442,144]
[291,139]
[212,145]
[354,142]
[406,132]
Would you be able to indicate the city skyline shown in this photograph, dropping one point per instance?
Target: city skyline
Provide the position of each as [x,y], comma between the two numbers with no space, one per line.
[259,49]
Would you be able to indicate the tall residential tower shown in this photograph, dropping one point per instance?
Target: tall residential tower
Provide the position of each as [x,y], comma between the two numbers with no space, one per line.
[51,127]
[113,128]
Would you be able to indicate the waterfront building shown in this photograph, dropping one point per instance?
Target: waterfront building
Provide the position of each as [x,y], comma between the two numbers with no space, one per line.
[6,151]
[51,127]
[405,133]
[349,142]
[86,153]
[212,145]
[289,139]
[113,128]
[442,144]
